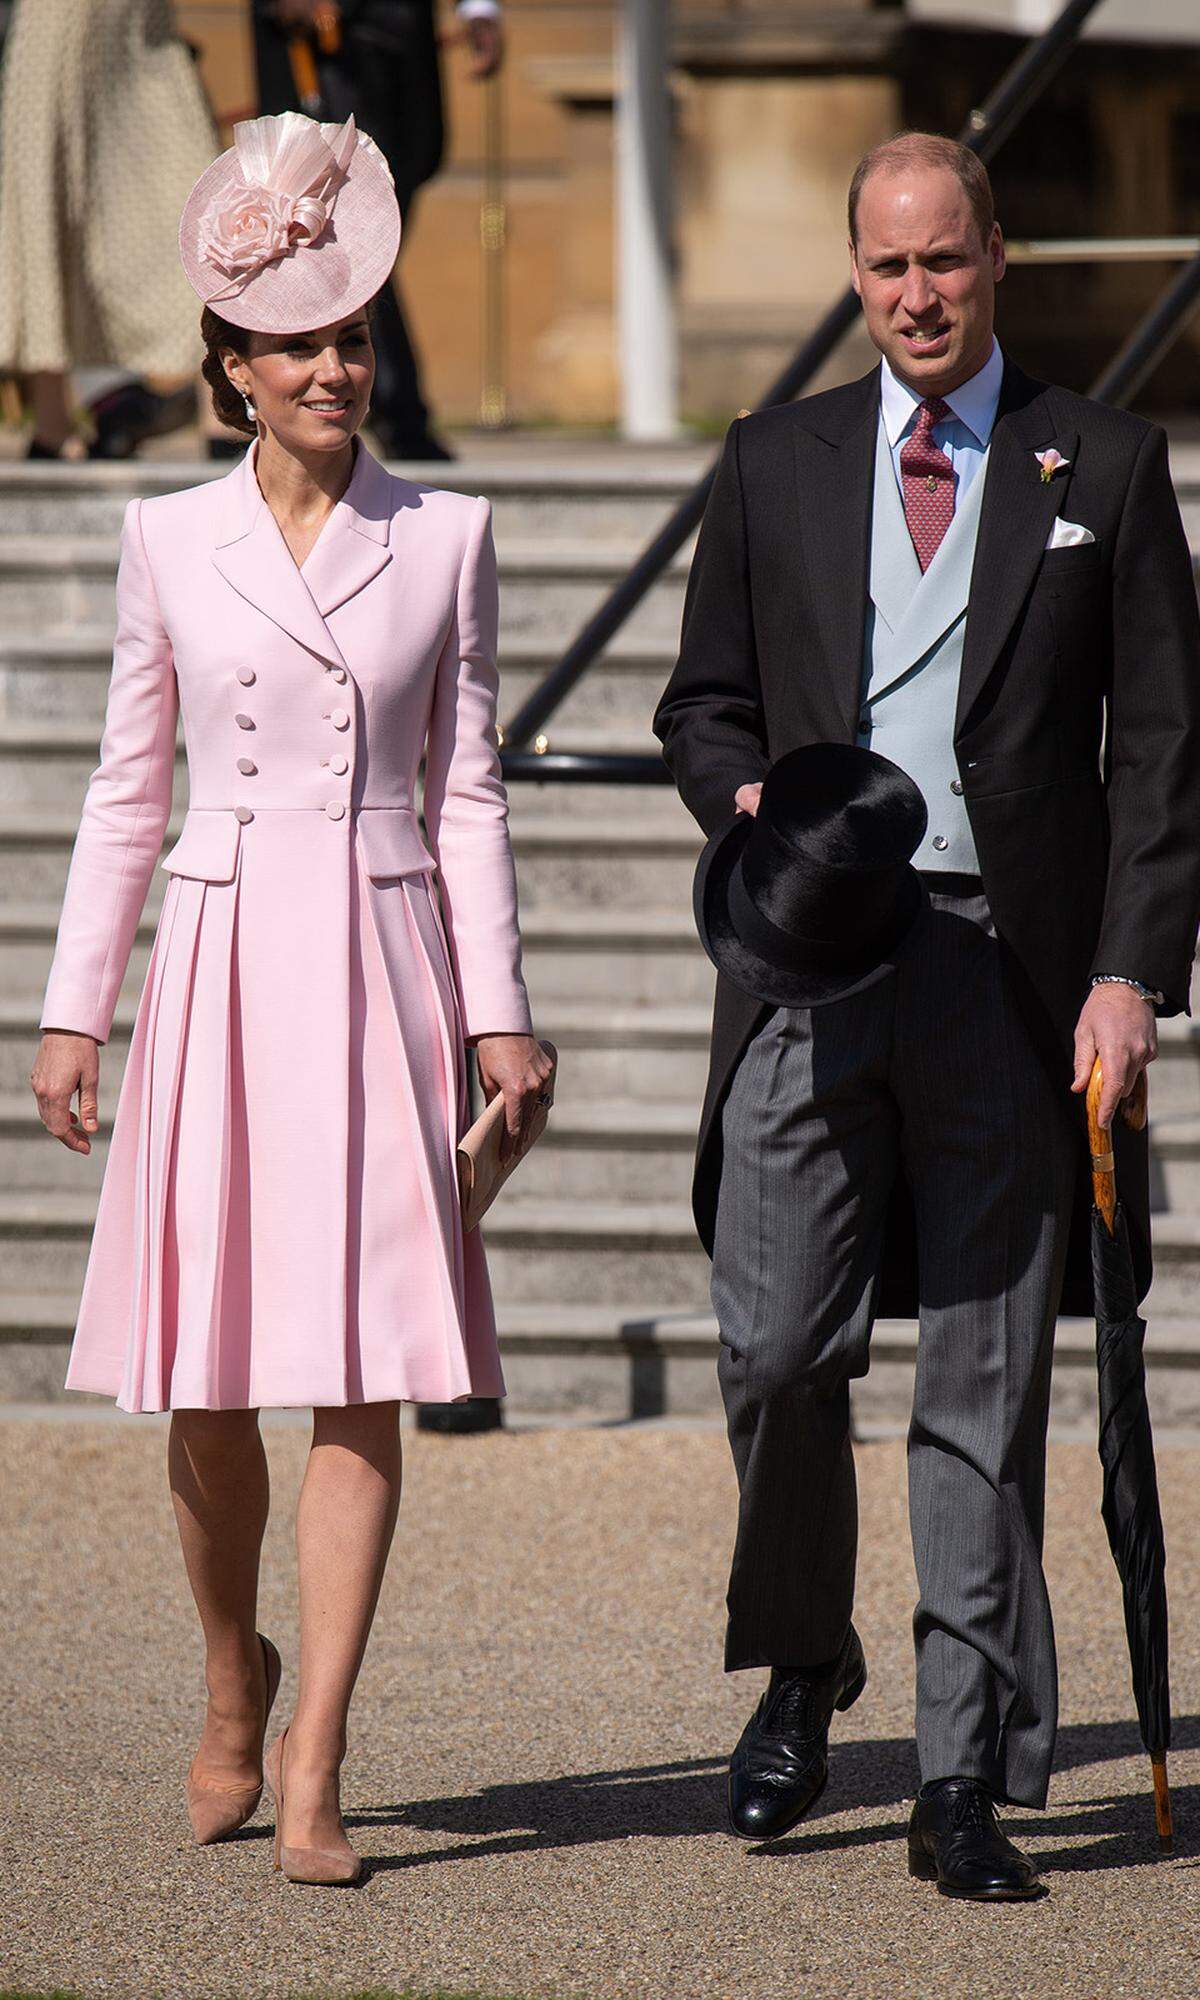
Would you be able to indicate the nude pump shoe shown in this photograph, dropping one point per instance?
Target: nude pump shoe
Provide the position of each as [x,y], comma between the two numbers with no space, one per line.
[217,1810]
[324,1867]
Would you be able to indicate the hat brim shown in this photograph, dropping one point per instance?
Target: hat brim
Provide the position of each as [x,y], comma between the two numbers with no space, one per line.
[777,985]
[315,284]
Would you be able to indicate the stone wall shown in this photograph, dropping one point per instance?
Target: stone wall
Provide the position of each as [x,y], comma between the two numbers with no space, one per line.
[773,105]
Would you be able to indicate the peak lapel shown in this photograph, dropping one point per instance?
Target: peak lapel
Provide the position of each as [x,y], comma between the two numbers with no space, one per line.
[835,476]
[354,545]
[254,559]
[1019,510]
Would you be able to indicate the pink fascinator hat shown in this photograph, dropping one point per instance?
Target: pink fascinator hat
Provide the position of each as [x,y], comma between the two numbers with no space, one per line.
[295,226]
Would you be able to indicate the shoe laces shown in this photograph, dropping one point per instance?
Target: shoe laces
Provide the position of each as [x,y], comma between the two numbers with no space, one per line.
[793,1708]
[971,1811]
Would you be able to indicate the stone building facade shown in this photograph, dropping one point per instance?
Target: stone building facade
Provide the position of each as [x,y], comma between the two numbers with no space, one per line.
[772,105]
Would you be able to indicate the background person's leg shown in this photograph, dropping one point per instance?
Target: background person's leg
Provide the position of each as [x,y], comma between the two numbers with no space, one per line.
[386,74]
[990,1156]
[810,1138]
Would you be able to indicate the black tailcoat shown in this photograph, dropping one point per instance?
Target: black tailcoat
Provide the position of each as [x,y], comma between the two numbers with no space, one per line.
[1077,732]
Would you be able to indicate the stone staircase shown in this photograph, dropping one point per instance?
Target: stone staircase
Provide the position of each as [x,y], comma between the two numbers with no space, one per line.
[601,1286]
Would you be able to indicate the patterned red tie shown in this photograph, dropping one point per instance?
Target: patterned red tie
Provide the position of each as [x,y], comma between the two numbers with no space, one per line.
[927,477]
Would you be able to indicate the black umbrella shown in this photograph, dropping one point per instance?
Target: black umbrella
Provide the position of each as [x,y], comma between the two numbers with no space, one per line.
[1130,1504]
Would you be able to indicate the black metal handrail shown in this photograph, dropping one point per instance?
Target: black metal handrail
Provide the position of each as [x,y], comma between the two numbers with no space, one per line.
[1150,340]
[1026,78]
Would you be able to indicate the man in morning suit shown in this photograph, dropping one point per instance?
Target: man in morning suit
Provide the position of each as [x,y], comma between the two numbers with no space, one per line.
[985,579]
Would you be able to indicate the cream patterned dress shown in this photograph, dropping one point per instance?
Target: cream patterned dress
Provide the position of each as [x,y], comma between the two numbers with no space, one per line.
[103,130]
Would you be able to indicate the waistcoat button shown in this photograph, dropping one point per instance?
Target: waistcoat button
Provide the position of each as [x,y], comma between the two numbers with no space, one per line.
[244,721]
[247,766]
[956,787]
[247,676]
[244,814]
[940,842]
[339,766]
[339,673]
[335,809]
[340,719]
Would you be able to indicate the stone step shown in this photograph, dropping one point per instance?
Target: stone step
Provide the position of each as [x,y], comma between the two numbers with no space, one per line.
[539,1251]
[617,1050]
[604,1362]
[611,1148]
[609,1051]
[611,491]
[63,680]
[54,583]
[598,856]
[610,496]
[572,952]
[558,1358]
[606,1150]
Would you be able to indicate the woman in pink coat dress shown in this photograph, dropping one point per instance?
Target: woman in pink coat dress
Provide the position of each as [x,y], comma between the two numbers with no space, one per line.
[279,1221]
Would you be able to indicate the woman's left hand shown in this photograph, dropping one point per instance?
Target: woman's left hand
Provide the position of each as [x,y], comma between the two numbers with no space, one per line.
[519,1066]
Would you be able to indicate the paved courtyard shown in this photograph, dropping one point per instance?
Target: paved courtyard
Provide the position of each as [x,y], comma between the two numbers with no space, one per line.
[536,1765]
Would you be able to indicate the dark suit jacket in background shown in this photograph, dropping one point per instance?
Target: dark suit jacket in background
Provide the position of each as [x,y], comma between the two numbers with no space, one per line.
[1088,843]
[386,72]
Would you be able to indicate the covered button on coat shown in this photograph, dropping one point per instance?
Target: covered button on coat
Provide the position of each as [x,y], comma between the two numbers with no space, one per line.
[279,1221]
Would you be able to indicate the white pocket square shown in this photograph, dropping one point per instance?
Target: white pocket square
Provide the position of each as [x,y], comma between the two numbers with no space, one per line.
[1069,535]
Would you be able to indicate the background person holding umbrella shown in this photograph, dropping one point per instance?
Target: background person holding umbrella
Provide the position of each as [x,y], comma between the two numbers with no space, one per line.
[378,60]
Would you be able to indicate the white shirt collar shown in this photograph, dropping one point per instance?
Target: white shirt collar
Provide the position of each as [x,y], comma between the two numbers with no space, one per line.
[975,402]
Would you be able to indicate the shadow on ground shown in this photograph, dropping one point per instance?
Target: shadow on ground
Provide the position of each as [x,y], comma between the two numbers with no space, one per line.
[661,1801]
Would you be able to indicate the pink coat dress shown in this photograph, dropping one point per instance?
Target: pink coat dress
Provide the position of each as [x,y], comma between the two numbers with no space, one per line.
[279,1220]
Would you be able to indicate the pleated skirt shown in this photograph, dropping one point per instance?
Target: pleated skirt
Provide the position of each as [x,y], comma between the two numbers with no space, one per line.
[279,1223]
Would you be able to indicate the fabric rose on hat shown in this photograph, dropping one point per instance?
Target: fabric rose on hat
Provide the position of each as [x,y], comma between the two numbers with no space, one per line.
[283,196]
[248,226]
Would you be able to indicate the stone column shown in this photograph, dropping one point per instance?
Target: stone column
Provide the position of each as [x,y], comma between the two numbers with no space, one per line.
[646,336]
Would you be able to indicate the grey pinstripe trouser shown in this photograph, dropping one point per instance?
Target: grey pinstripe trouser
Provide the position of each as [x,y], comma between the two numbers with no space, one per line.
[930,1071]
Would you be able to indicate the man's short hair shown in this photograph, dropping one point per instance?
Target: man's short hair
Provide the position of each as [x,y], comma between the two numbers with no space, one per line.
[928,149]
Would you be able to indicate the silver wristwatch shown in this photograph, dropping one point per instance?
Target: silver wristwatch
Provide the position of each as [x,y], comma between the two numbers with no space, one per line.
[1118,979]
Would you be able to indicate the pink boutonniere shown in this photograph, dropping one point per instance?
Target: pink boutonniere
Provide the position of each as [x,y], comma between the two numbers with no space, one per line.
[1051,461]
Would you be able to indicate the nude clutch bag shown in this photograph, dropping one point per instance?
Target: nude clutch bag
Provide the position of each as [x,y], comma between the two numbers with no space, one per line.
[481,1175]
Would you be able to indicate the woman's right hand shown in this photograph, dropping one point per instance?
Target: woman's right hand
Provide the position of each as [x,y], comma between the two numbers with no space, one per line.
[746,798]
[66,1063]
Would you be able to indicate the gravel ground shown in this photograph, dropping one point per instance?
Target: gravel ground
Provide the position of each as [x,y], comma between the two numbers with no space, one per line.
[537,1751]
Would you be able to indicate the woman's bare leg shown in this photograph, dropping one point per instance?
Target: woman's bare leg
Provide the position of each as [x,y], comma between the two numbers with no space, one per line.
[344,1526]
[221,1491]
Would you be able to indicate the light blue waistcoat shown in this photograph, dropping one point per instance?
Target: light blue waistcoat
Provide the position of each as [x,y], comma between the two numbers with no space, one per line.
[913,657]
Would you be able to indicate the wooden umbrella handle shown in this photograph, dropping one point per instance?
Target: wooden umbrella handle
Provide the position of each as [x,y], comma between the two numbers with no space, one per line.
[1162,1806]
[1134,1111]
[1104,1177]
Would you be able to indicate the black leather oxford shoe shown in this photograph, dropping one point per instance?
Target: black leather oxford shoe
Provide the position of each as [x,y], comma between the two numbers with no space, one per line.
[781,1763]
[954,1839]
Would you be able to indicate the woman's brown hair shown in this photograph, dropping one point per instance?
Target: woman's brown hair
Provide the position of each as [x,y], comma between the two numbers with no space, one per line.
[217,333]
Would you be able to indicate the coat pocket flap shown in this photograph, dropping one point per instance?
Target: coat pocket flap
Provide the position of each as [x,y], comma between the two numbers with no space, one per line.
[207,847]
[391,842]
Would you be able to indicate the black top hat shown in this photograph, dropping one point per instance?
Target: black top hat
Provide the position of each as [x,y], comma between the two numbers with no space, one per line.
[810,900]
